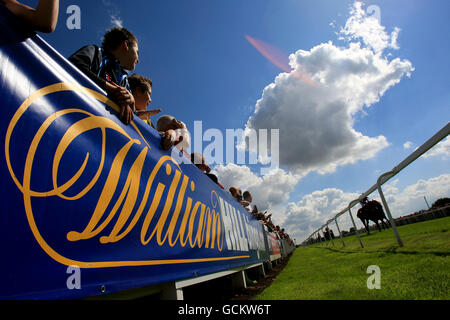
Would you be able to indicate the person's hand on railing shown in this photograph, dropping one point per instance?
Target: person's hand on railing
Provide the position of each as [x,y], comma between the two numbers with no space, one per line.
[124,100]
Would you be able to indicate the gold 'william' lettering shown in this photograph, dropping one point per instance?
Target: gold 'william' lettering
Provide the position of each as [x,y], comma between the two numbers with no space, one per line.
[206,231]
[200,225]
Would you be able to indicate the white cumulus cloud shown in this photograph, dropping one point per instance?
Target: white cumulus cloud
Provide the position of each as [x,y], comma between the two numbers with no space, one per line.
[442,148]
[116,21]
[313,210]
[369,30]
[316,121]
[267,191]
[411,199]
[114,13]
[407,145]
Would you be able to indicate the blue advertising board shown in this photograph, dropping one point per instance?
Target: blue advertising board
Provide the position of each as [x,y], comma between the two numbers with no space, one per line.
[82,189]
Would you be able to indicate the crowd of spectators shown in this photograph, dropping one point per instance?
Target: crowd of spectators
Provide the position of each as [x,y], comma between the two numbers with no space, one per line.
[108,67]
[245,198]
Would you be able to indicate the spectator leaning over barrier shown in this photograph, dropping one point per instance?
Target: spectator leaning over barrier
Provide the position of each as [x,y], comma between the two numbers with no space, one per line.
[141,88]
[106,66]
[236,193]
[269,220]
[167,126]
[247,199]
[247,196]
[199,161]
[44,18]
[185,141]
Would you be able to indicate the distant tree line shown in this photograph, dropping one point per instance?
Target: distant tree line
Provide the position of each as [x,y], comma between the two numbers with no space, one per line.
[442,202]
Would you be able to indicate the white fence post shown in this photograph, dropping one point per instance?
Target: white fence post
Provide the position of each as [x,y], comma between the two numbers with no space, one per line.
[386,207]
[340,235]
[356,229]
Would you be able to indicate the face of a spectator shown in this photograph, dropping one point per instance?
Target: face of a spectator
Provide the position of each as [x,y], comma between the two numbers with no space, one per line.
[175,124]
[130,55]
[142,98]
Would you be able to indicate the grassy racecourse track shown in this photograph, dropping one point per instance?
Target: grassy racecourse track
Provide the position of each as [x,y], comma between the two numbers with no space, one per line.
[418,270]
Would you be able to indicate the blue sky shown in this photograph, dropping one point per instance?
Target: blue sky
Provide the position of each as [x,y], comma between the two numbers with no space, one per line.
[203,68]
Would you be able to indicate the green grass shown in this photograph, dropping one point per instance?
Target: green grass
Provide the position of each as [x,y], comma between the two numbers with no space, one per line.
[418,270]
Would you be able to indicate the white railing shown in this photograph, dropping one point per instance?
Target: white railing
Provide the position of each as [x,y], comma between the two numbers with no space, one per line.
[440,135]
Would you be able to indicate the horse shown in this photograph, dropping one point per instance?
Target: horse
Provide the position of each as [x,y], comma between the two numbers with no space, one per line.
[372,210]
